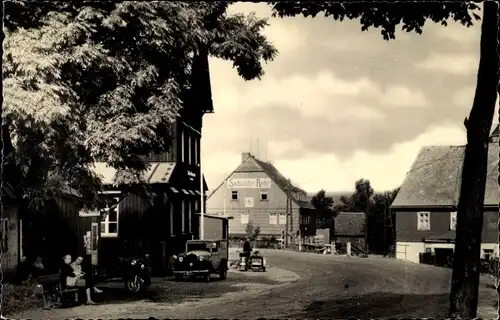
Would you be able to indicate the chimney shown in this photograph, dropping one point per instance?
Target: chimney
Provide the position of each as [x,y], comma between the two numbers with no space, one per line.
[245,156]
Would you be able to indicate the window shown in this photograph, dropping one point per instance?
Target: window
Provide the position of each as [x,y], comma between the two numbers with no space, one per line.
[282,218]
[263,196]
[423,222]
[453,220]
[195,151]
[234,195]
[171,213]
[244,218]
[183,217]
[4,229]
[21,241]
[215,248]
[109,226]
[273,218]
[189,149]
[182,145]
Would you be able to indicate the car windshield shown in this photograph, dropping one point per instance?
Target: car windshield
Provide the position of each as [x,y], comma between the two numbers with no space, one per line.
[198,246]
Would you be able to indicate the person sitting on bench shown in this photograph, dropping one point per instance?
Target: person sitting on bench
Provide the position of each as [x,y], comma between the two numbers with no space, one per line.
[77,269]
[70,279]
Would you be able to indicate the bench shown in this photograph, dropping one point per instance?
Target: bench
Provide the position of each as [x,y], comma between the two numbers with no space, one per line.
[53,292]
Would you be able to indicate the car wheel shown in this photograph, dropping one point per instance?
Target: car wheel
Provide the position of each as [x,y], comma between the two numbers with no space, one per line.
[223,274]
[263,269]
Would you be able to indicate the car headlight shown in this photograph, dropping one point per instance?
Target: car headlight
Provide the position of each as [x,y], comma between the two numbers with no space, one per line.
[133,262]
[180,259]
[200,258]
[142,266]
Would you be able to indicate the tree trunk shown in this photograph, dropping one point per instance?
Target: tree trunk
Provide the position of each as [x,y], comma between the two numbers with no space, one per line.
[465,279]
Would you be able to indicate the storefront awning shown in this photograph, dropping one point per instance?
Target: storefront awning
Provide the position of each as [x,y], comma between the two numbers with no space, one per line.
[185,191]
[192,192]
[198,192]
[174,190]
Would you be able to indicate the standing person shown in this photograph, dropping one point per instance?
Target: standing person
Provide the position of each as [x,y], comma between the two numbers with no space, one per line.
[70,279]
[247,249]
[77,269]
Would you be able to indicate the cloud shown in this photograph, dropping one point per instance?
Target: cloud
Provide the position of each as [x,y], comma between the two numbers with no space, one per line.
[338,104]
[458,64]
[458,33]
[332,174]
[402,96]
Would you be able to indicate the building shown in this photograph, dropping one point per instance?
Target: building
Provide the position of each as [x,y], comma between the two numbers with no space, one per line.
[426,204]
[349,227]
[160,225]
[256,193]
[9,232]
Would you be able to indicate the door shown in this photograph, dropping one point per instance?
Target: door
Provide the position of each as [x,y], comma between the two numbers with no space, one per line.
[216,256]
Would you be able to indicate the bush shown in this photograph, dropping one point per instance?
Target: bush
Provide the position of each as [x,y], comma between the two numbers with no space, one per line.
[24,296]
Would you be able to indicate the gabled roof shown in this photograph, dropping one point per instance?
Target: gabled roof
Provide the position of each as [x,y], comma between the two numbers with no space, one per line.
[349,224]
[158,172]
[435,178]
[270,170]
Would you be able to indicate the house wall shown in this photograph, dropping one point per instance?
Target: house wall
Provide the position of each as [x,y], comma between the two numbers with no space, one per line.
[154,228]
[409,242]
[410,251]
[259,213]
[10,258]
[406,226]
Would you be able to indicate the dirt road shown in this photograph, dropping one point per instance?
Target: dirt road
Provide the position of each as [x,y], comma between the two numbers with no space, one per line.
[329,286]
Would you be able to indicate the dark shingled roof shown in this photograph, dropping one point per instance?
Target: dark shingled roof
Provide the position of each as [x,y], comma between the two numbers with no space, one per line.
[350,224]
[435,177]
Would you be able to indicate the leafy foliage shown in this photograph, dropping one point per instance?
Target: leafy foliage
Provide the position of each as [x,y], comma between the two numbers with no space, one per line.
[324,207]
[386,15]
[253,232]
[103,81]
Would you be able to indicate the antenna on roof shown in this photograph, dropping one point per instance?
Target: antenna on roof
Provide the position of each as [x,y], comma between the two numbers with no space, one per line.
[257,152]
[265,150]
[250,151]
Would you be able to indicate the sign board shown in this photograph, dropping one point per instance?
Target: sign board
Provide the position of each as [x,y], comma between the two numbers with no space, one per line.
[89,213]
[249,202]
[250,183]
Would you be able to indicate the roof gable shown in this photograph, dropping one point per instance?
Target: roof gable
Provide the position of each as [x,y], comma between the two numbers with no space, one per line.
[252,164]
[349,224]
[435,178]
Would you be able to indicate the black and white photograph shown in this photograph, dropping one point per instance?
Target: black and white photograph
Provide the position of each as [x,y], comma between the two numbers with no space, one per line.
[245,160]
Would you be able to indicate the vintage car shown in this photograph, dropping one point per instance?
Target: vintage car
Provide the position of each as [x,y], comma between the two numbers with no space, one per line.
[202,258]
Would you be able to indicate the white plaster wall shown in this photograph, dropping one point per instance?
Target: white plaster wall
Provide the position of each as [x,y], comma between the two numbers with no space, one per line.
[413,249]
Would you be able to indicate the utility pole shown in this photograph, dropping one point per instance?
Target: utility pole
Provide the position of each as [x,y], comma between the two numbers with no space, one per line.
[291,211]
[385,225]
[286,215]
[366,227]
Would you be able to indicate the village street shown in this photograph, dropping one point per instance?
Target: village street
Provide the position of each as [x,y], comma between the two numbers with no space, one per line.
[313,286]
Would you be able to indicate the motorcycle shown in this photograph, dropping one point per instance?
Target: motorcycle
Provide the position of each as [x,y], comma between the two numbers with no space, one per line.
[137,274]
[243,264]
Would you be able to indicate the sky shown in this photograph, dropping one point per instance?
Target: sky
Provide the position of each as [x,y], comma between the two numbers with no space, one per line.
[339,104]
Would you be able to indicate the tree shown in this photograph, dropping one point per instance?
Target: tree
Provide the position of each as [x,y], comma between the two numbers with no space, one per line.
[324,207]
[412,16]
[88,82]
[253,232]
